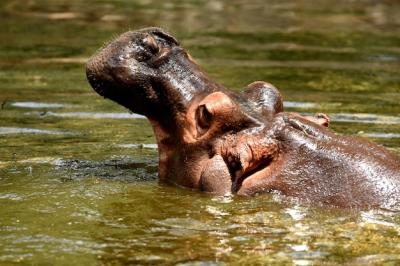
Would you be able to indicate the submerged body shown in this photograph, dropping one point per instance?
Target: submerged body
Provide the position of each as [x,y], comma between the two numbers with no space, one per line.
[216,140]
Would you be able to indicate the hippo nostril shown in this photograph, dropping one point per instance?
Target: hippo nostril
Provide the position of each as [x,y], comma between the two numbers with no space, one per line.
[151,43]
[163,36]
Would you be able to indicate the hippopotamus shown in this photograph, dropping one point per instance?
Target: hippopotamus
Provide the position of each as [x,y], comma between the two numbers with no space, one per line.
[220,141]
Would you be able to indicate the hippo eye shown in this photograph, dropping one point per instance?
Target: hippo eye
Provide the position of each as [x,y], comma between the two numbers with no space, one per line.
[203,117]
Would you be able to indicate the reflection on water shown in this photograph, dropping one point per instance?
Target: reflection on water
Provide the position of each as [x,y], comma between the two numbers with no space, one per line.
[78,174]
[16,130]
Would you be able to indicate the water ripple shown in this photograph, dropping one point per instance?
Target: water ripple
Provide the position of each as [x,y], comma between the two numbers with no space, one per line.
[151,146]
[19,130]
[37,105]
[380,135]
[10,196]
[365,118]
[305,105]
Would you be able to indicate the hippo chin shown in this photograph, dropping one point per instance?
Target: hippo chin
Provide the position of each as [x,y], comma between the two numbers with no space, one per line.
[220,141]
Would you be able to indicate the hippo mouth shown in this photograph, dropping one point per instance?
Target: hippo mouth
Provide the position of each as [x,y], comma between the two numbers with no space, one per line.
[240,162]
[252,175]
[221,178]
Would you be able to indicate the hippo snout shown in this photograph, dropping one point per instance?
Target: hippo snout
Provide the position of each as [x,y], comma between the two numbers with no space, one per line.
[127,60]
[147,72]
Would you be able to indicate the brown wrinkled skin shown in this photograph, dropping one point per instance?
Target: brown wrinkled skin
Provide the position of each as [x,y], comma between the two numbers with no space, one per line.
[220,141]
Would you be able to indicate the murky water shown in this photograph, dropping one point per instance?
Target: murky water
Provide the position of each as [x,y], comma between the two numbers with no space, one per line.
[78,174]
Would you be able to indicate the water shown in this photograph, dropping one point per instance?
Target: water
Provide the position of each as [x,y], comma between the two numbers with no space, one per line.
[78,174]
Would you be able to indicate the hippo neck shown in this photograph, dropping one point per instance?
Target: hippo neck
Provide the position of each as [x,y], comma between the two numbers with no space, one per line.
[163,139]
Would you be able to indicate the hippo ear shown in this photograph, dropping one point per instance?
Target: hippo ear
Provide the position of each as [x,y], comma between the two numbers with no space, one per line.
[218,113]
[265,96]
[212,108]
[217,101]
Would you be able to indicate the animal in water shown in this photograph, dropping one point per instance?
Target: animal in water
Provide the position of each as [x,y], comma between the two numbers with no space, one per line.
[220,141]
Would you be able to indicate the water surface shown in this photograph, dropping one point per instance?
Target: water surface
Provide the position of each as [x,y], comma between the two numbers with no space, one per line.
[78,174]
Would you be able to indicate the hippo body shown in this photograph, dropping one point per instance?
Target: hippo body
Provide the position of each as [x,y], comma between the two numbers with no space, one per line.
[216,140]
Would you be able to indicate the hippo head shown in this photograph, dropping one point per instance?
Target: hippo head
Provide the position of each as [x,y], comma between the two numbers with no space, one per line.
[209,138]
[216,140]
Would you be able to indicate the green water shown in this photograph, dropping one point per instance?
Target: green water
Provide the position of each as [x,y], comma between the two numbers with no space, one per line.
[78,174]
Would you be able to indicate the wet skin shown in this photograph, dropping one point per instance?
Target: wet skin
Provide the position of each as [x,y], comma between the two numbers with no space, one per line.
[216,140]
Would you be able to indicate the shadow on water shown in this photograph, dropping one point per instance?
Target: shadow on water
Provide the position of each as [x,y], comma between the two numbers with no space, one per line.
[78,174]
